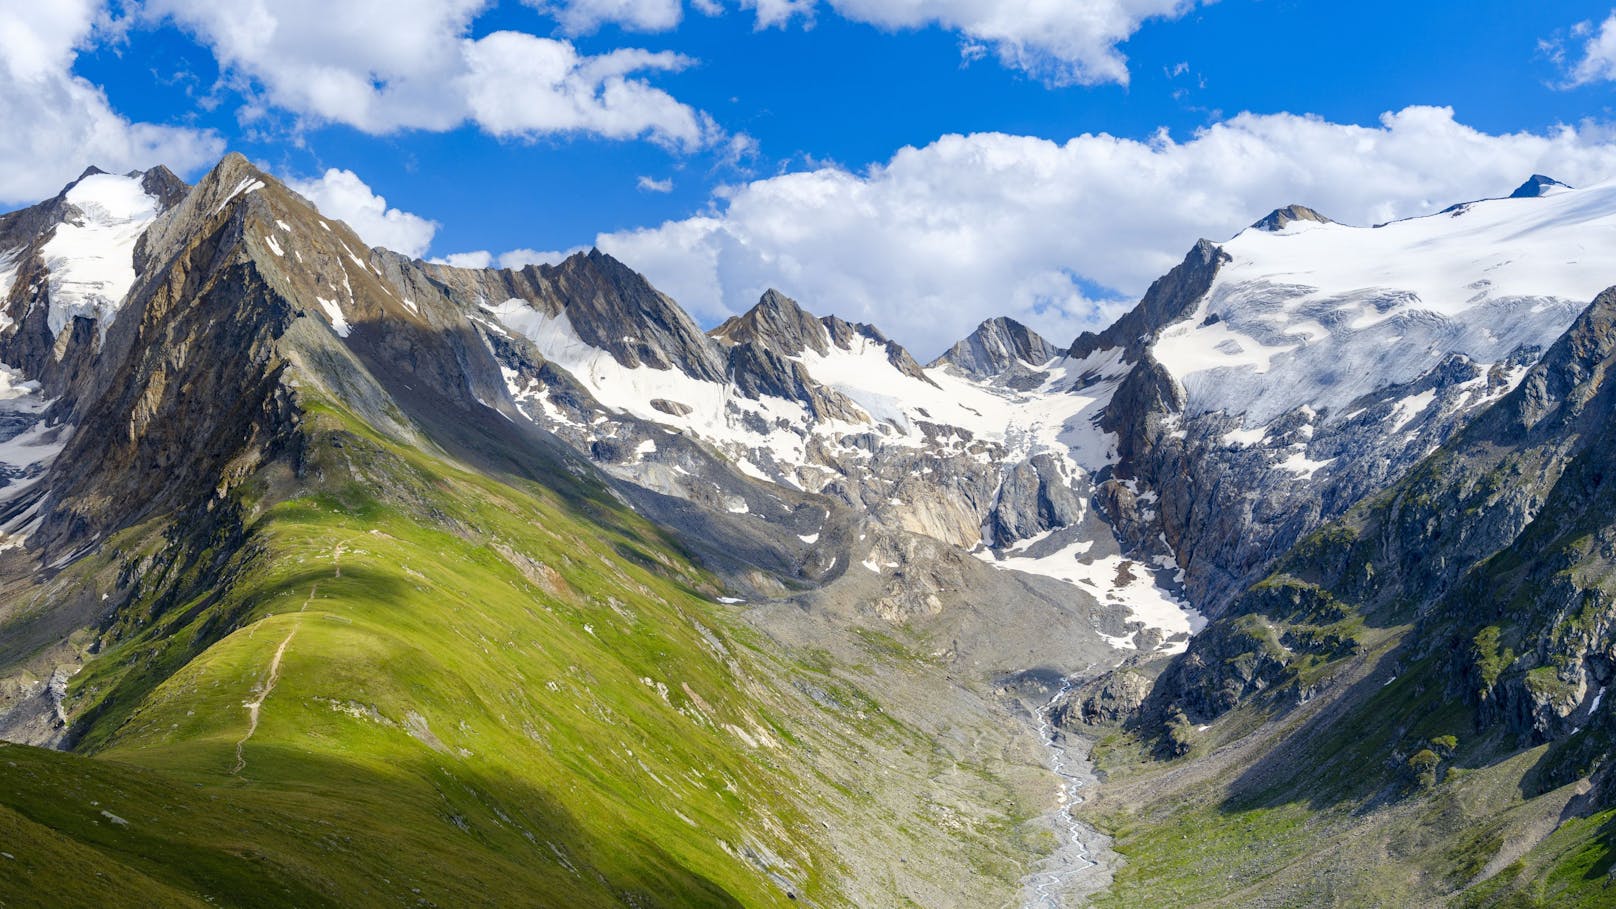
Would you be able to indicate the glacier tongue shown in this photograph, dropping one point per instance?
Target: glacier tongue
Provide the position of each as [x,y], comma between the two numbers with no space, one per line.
[92,258]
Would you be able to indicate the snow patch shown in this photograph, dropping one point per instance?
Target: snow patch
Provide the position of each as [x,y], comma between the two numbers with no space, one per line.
[92,258]
[1409,408]
[1110,579]
[1302,465]
[339,322]
[247,185]
[10,264]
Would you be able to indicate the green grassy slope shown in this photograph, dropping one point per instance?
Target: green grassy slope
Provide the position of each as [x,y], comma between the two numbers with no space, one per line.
[468,691]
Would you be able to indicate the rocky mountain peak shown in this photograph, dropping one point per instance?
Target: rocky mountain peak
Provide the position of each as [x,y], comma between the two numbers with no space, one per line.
[1537,185]
[614,308]
[998,344]
[778,322]
[847,335]
[1279,218]
[1170,298]
[163,185]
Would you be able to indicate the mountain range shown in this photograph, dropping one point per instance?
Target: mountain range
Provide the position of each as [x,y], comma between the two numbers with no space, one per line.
[330,576]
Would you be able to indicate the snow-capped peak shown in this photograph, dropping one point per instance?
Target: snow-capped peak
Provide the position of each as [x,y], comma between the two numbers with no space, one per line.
[1537,186]
[91,256]
[1322,313]
[1280,218]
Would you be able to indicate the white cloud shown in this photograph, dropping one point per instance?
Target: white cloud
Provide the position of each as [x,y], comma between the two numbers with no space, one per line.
[771,13]
[1062,41]
[646,184]
[378,65]
[519,85]
[968,227]
[1598,60]
[579,17]
[387,65]
[56,123]
[342,195]
[481,258]
[515,258]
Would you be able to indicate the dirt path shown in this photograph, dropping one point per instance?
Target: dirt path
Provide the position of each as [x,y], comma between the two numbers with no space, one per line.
[262,690]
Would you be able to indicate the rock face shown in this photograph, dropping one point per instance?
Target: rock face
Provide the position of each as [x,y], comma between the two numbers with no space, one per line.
[614,308]
[997,346]
[1272,385]
[1537,185]
[1498,547]
[1035,496]
[1110,699]
[1168,300]
[778,323]
[1280,218]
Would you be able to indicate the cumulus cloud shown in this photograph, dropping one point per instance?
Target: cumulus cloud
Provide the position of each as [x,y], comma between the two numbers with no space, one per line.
[1064,235]
[377,65]
[1061,41]
[342,195]
[646,184]
[580,17]
[56,123]
[1597,61]
[515,258]
[481,258]
[388,65]
[516,84]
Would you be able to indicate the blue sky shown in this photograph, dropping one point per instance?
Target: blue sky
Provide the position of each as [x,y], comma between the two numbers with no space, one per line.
[765,153]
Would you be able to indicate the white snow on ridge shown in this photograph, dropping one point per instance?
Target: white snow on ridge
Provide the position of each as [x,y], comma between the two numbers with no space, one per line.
[1052,419]
[27,454]
[38,444]
[92,260]
[1323,313]
[18,393]
[1409,408]
[1109,578]
[339,321]
[246,185]
[716,410]
[9,265]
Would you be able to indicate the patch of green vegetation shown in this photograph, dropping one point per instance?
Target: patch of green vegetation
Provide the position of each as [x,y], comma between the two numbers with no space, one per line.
[416,683]
[1422,766]
[1202,855]
[1489,657]
[1545,681]
[1571,868]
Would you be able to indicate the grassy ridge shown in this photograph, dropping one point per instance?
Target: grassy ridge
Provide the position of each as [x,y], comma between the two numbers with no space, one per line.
[468,694]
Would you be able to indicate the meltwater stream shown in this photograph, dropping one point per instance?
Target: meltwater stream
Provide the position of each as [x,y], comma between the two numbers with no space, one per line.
[1073,860]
